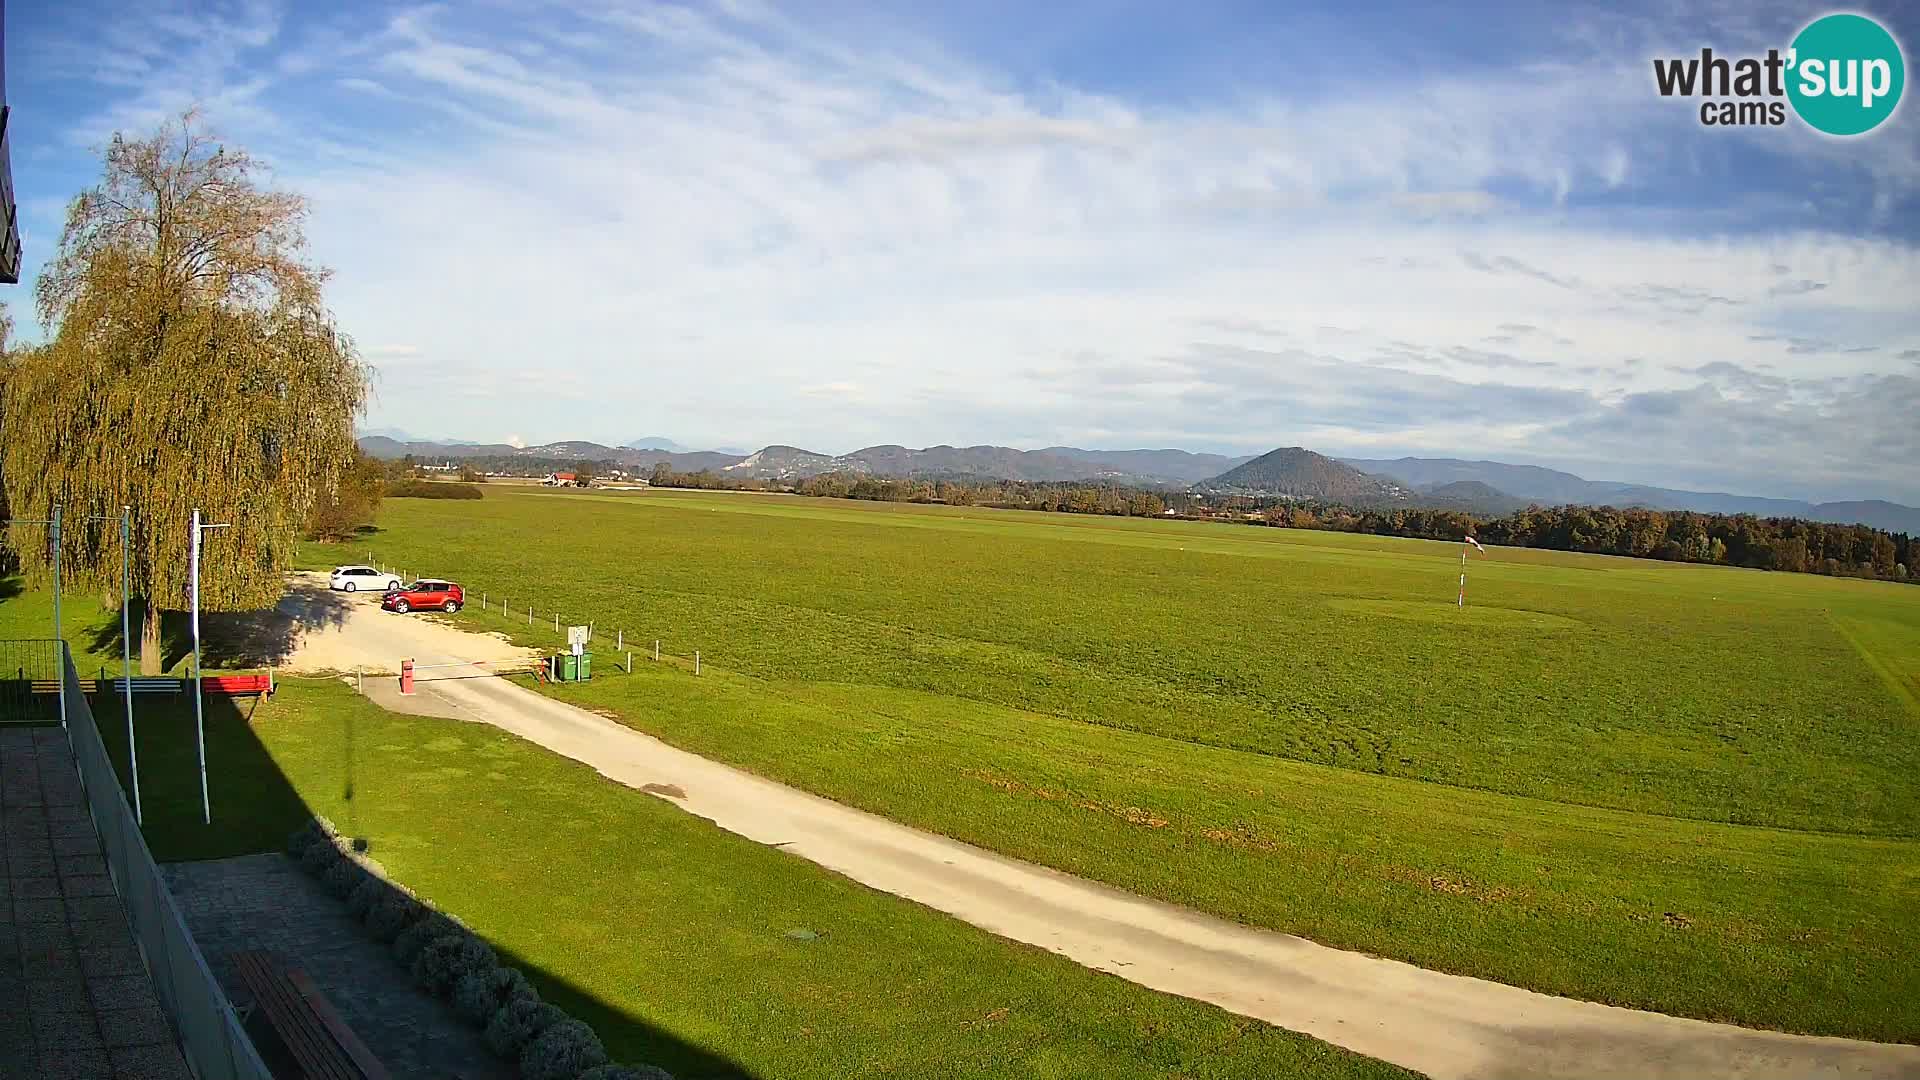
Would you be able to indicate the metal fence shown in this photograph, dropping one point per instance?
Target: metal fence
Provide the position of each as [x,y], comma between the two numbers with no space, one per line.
[30,681]
[216,1046]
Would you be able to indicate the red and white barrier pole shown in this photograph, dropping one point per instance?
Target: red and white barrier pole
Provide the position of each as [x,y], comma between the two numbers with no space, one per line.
[406,676]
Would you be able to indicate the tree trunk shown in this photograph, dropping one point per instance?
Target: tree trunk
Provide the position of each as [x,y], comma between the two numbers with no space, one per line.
[151,652]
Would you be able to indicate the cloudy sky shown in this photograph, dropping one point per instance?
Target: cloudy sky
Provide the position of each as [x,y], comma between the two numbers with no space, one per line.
[1367,229]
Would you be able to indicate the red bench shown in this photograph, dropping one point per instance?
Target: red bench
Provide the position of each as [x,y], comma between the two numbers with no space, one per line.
[238,685]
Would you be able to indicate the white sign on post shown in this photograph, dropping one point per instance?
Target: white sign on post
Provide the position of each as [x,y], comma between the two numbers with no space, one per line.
[577,639]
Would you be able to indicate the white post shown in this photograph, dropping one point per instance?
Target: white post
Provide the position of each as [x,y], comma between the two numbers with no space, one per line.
[629,661]
[1462,600]
[556,622]
[619,639]
[656,650]
[59,631]
[696,661]
[199,707]
[126,656]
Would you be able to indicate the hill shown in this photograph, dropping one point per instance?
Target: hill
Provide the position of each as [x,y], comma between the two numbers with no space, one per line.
[1552,487]
[1301,473]
[1472,496]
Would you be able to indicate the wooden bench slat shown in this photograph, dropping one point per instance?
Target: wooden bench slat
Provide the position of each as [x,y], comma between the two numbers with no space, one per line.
[275,998]
[320,1042]
[362,1057]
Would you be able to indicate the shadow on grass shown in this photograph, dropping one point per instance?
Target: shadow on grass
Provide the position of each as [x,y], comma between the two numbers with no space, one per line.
[255,807]
[230,639]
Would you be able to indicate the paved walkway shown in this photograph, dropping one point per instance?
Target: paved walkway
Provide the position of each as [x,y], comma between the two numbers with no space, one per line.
[1447,1026]
[75,999]
[265,902]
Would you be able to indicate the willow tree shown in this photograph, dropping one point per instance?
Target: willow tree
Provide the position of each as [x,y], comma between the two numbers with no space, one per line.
[192,363]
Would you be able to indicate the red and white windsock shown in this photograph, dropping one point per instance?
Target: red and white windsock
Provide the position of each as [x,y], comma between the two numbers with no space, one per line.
[1461,600]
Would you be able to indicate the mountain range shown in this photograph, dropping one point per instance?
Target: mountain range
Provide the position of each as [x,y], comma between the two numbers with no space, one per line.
[1551,487]
[1485,487]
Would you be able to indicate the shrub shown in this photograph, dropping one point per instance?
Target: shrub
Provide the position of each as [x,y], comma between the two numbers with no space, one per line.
[447,958]
[562,1052]
[370,891]
[432,489]
[626,1072]
[393,913]
[319,856]
[341,877]
[479,994]
[304,837]
[517,1023]
[409,942]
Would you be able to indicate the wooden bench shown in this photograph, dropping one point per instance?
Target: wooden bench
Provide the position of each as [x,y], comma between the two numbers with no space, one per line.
[316,1038]
[238,685]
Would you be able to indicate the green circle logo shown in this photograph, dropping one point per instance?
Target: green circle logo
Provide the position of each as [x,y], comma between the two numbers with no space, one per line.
[1846,74]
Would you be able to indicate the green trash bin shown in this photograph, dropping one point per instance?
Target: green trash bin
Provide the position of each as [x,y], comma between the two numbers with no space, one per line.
[586,666]
[564,668]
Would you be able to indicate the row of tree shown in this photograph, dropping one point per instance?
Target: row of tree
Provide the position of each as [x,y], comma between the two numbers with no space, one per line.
[1066,497]
[1788,544]
[190,363]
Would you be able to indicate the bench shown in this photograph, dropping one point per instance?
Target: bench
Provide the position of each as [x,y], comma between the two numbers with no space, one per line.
[149,684]
[315,1037]
[238,685]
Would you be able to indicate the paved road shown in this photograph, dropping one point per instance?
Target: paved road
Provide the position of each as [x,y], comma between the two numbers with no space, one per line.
[1444,1025]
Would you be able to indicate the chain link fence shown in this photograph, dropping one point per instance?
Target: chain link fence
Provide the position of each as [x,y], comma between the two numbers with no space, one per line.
[215,1044]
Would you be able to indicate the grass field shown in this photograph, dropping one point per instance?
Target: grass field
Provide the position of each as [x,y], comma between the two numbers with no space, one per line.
[1682,788]
[668,935]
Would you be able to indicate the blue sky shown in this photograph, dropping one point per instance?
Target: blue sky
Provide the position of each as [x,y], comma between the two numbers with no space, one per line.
[1370,229]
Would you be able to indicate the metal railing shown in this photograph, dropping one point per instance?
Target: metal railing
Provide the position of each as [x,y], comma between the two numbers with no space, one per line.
[29,681]
[216,1046]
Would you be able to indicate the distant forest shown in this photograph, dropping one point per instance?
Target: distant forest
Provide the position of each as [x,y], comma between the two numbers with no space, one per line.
[1789,544]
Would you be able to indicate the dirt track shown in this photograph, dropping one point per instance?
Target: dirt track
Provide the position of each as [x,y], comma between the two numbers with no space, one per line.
[1444,1025]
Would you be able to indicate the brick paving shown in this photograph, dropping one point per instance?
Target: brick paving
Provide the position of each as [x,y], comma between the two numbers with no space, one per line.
[75,998]
[264,902]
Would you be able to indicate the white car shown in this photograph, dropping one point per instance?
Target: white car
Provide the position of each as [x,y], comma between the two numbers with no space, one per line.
[359,578]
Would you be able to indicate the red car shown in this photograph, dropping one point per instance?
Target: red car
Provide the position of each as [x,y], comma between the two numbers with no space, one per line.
[427,593]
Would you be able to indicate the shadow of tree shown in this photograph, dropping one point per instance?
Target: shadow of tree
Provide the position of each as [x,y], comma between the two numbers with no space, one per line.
[255,807]
[242,639]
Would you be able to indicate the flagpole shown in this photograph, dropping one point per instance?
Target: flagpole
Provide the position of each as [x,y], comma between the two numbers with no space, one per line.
[1462,600]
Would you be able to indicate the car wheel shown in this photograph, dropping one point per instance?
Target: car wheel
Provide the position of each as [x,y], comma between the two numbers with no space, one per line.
[351,587]
[402,606]
[393,585]
[450,606]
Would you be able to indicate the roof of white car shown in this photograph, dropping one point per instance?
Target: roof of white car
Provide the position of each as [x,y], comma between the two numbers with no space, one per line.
[344,569]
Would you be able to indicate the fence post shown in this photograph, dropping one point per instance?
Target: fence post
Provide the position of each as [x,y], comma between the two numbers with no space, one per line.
[556,622]
[483,601]
[656,650]
[629,661]
[529,614]
[696,661]
[619,639]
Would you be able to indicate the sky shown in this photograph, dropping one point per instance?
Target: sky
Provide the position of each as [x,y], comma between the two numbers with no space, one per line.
[1369,229]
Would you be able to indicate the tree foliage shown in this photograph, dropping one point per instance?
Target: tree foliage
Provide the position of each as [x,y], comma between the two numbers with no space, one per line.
[341,512]
[192,364]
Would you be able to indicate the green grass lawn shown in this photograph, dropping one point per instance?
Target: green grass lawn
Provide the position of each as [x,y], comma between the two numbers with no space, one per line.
[1292,729]
[667,934]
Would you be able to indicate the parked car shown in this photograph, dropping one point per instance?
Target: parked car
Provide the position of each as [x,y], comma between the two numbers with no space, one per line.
[361,578]
[427,593]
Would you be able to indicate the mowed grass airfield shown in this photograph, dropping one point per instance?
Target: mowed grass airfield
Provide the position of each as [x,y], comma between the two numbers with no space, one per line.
[1688,789]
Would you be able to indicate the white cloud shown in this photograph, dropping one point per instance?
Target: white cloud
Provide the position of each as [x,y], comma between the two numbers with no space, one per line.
[718,221]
